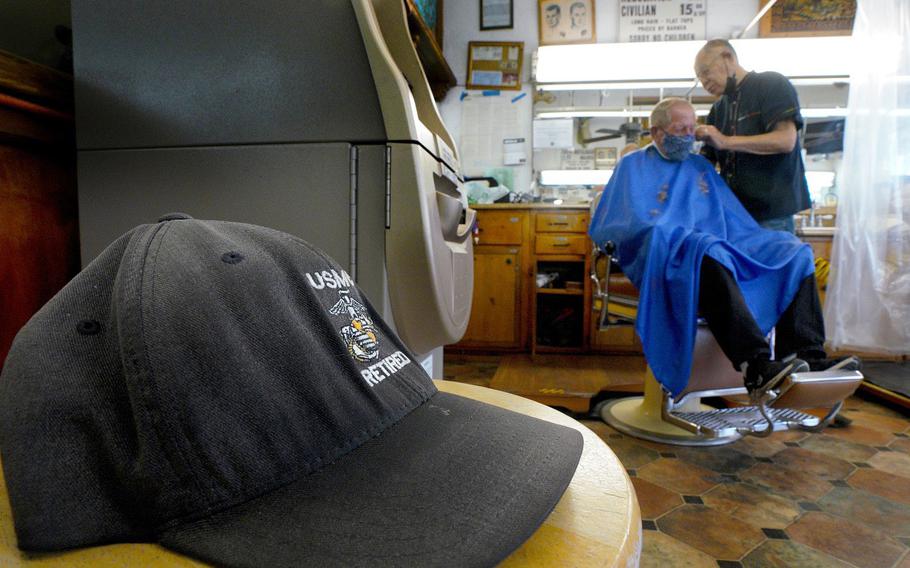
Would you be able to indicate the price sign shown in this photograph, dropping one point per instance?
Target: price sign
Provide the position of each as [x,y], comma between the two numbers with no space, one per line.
[661,20]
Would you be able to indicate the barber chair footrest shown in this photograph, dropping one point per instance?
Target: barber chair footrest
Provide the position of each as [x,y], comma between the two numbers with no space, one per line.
[724,422]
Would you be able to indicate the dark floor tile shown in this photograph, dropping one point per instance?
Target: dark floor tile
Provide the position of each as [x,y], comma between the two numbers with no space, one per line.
[721,460]
[809,506]
[883,449]
[820,465]
[654,500]
[883,484]
[795,485]
[791,444]
[711,531]
[648,525]
[839,483]
[905,540]
[729,564]
[667,454]
[846,540]
[663,551]
[901,435]
[764,460]
[900,445]
[775,534]
[693,500]
[884,423]
[861,507]
[861,464]
[630,453]
[861,435]
[763,447]
[786,553]
[752,504]
[897,463]
[677,475]
[837,448]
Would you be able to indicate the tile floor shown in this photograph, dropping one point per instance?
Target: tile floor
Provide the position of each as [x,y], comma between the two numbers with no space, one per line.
[840,498]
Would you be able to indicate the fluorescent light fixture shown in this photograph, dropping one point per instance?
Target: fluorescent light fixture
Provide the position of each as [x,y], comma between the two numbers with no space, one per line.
[823,112]
[617,85]
[672,61]
[817,81]
[575,177]
[598,112]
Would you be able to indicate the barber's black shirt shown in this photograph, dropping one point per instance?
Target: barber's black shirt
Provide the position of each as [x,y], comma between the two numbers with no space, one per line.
[769,186]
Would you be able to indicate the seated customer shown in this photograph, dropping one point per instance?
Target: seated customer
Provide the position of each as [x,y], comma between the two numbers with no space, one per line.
[691,249]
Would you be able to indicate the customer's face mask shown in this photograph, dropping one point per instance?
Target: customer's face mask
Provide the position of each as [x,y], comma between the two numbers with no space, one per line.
[676,148]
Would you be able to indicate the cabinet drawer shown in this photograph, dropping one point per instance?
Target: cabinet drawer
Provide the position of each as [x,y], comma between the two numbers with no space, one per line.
[500,227]
[561,244]
[562,222]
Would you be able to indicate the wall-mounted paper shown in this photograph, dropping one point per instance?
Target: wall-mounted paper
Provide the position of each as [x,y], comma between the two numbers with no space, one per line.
[554,133]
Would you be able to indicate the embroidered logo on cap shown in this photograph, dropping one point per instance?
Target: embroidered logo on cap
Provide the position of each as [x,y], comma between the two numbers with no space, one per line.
[361,336]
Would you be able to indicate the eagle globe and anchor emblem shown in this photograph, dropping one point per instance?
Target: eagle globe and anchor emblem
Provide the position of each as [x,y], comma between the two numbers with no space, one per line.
[361,336]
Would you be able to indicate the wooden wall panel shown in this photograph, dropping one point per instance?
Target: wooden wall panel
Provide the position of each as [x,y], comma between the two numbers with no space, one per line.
[39,238]
[39,229]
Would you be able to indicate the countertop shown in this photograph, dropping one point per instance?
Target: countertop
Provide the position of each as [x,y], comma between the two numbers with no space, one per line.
[576,206]
[815,231]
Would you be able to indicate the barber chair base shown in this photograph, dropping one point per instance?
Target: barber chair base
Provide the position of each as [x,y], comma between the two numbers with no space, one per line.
[645,417]
[657,418]
[632,417]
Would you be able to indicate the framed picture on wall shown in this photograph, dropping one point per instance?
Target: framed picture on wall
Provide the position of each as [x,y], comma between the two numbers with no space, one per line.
[565,21]
[496,15]
[494,65]
[794,18]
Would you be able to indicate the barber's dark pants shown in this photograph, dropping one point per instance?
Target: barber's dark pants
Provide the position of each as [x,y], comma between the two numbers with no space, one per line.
[800,329]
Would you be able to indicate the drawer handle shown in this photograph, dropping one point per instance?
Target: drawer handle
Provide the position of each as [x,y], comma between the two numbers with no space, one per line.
[552,224]
[561,244]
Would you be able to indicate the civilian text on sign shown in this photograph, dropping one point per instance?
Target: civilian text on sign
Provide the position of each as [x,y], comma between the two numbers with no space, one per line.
[661,20]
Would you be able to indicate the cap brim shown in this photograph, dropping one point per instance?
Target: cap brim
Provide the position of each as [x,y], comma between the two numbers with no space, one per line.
[455,482]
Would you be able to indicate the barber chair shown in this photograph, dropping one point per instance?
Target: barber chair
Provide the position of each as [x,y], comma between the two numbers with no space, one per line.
[684,420]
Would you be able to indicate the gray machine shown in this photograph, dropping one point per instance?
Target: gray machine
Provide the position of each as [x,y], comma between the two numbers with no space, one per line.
[312,117]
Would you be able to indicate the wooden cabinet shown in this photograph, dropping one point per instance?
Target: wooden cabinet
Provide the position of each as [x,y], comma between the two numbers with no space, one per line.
[560,309]
[496,307]
[531,285]
[499,309]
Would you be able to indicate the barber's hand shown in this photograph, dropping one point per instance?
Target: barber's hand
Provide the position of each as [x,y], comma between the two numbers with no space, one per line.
[711,136]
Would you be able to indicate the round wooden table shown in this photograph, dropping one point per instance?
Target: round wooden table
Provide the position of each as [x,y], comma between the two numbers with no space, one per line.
[596,523]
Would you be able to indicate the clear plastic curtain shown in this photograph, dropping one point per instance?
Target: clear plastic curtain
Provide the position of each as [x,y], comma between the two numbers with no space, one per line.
[868,301]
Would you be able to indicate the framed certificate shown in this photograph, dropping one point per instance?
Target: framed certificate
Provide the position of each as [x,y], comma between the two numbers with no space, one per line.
[496,15]
[494,65]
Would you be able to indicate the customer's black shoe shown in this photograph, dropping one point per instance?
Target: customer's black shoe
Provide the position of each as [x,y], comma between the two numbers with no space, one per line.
[848,363]
[762,375]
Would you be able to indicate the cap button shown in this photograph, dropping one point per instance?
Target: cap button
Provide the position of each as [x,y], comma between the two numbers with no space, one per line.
[173,217]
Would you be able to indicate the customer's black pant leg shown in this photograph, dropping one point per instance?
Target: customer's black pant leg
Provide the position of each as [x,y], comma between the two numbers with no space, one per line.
[801,328]
[721,303]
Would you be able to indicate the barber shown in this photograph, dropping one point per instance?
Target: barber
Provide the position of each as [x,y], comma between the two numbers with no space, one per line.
[752,132]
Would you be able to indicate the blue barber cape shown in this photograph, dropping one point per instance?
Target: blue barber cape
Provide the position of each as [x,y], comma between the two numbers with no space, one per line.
[663,217]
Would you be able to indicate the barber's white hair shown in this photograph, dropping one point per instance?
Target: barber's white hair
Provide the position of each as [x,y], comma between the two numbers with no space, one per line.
[660,115]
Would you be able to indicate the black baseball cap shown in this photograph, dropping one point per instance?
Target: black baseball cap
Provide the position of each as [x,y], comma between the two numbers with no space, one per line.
[226,391]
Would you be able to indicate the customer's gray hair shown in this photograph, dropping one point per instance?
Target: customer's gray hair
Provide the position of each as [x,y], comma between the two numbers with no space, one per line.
[660,115]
